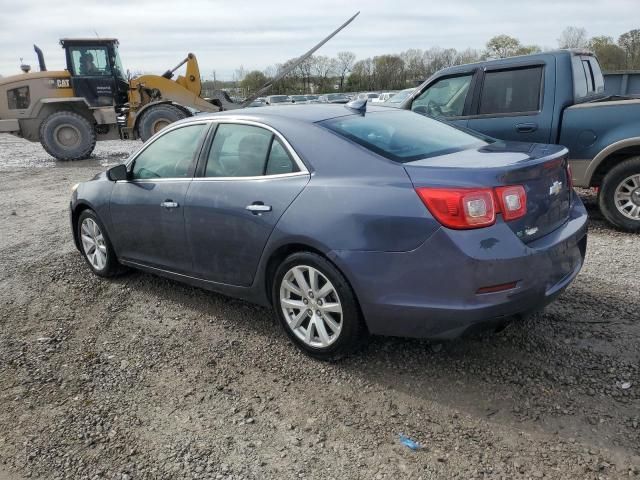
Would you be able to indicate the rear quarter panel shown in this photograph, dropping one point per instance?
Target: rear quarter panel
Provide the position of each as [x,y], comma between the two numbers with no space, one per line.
[355,200]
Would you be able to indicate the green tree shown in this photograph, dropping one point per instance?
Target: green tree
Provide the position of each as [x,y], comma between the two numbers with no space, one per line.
[502,46]
[630,43]
[610,55]
[252,81]
[389,72]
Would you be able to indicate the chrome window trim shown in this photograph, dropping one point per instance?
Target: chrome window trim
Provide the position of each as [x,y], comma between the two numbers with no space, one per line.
[287,145]
[165,130]
[296,158]
[256,177]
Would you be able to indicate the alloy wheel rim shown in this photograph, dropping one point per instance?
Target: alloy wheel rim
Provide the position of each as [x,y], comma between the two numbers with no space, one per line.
[311,306]
[93,243]
[627,197]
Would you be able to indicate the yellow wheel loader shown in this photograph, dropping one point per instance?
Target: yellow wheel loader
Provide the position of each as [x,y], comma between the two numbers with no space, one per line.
[68,111]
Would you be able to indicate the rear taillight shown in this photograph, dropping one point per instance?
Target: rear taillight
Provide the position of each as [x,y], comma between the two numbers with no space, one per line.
[462,208]
[512,201]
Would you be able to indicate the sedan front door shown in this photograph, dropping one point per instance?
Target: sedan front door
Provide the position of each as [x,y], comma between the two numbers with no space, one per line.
[250,178]
[147,211]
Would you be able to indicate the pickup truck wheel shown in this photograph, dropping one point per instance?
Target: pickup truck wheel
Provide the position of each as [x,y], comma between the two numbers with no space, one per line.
[620,195]
[156,118]
[67,136]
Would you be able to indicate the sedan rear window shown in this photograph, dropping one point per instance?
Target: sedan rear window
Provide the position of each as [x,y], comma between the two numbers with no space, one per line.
[403,136]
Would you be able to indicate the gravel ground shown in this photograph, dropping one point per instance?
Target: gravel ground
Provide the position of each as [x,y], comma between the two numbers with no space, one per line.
[142,377]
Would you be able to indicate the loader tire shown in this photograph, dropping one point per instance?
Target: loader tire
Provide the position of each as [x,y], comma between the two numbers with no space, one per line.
[67,136]
[156,118]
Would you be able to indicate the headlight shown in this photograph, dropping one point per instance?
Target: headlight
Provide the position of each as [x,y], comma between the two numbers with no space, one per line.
[75,187]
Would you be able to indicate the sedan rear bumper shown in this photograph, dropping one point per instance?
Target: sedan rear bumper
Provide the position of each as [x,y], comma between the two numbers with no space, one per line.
[432,291]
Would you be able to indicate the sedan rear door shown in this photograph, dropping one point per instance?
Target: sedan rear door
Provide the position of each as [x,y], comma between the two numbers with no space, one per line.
[248,178]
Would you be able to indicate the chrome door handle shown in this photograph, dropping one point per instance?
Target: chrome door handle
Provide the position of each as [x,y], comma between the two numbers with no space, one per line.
[169,204]
[258,208]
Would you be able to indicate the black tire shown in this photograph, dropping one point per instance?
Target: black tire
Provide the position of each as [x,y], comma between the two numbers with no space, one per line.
[612,180]
[67,136]
[353,330]
[156,118]
[111,266]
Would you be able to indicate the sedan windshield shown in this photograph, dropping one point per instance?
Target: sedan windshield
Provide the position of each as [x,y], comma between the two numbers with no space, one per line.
[403,136]
[279,99]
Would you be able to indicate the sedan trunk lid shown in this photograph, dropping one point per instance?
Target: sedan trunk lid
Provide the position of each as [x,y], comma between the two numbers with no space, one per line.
[541,169]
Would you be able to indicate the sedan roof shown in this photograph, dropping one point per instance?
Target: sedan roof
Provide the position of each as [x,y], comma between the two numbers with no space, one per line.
[304,113]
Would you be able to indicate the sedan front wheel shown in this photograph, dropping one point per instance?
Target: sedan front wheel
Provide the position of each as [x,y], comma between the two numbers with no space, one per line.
[95,245]
[316,306]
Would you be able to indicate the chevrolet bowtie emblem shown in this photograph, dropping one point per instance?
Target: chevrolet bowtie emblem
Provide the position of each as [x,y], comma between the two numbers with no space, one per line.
[555,188]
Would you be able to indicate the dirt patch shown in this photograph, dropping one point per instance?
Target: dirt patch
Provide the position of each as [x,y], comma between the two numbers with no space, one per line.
[142,377]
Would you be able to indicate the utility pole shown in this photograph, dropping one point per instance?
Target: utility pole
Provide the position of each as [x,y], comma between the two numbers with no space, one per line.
[214,79]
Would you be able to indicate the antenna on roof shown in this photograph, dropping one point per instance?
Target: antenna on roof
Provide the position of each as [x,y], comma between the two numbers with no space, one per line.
[359,105]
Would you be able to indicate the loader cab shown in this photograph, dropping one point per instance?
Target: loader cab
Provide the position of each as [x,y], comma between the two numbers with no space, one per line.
[96,71]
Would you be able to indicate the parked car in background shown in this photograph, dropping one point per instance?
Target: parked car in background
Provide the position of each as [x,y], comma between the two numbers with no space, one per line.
[408,226]
[554,97]
[278,99]
[313,98]
[333,98]
[299,99]
[383,97]
[398,98]
[257,103]
[369,96]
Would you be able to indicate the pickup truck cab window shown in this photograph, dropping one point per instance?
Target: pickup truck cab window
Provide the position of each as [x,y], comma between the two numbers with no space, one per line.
[445,98]
[511,91]
[587,77]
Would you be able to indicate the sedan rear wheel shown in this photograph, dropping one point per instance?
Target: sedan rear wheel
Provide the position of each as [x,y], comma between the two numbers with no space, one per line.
[311,306]
[95,245]
[317,307]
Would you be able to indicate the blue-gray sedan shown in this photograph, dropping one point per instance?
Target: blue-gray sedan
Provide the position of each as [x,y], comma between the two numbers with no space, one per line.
[345,222]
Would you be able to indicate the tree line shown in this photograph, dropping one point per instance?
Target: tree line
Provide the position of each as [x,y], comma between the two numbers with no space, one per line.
[409,68]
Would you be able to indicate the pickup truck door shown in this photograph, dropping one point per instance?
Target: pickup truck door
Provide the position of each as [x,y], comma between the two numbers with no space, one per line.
[447,98]
[512,103]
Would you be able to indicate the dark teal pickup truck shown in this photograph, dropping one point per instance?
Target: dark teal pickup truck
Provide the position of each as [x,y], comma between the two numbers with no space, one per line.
[554,97]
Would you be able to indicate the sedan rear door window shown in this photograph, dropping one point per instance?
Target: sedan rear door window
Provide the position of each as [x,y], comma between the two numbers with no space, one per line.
[172,155]
[247,151]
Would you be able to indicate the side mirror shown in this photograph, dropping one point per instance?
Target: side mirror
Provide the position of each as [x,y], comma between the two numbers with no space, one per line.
[119,172]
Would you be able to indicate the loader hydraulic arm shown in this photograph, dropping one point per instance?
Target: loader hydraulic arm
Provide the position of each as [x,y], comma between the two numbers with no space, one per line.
[191,81]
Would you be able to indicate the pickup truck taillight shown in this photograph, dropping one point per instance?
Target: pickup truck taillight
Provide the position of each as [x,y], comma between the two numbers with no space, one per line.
[463,208]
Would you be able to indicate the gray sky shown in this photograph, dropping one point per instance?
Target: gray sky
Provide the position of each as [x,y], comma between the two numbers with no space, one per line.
[156,35]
